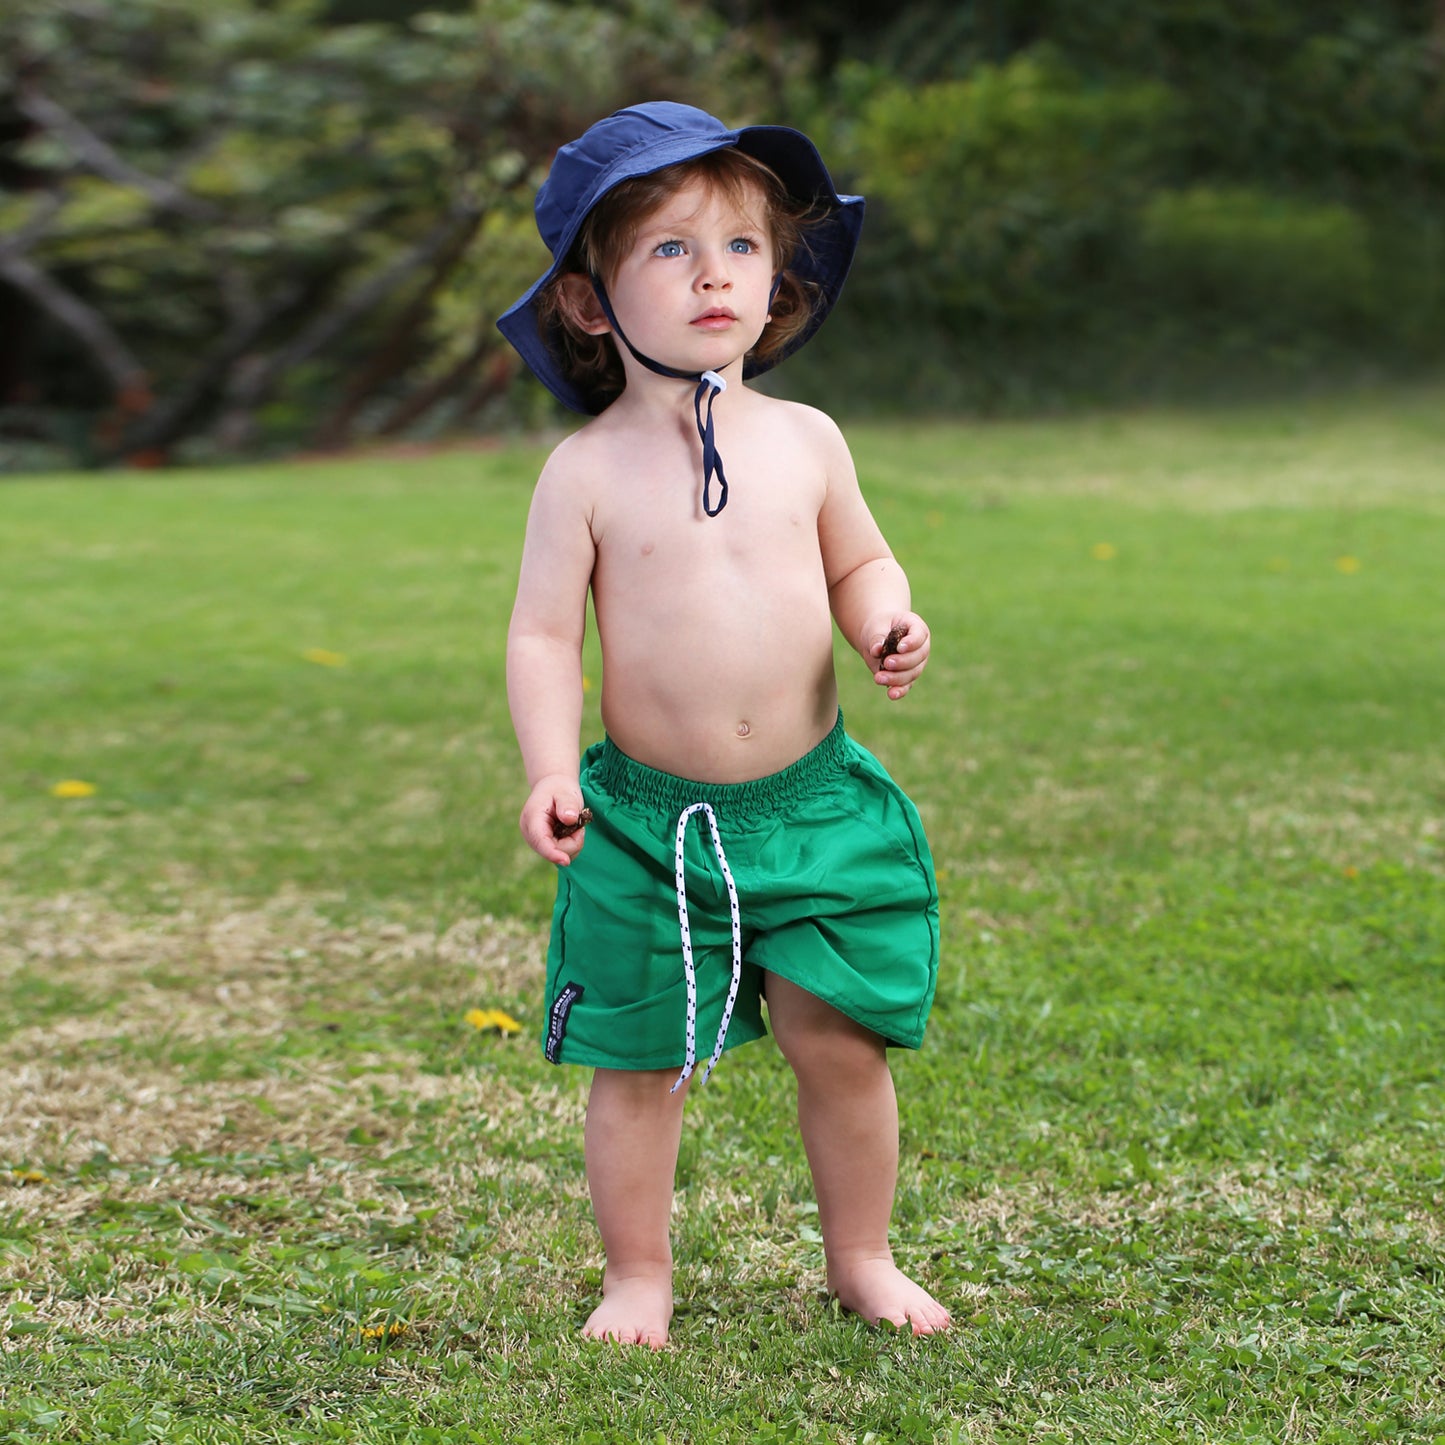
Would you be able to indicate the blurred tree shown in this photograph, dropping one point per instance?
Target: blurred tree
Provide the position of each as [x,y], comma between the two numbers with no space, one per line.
[247,221]
[227,223]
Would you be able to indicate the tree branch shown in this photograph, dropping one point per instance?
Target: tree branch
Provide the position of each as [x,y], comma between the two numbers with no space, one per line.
[251,386]
[106,349]
[37,228]
[439,388]
[395,349]
[371,292]
[167,420]
[499,376]
[99,156]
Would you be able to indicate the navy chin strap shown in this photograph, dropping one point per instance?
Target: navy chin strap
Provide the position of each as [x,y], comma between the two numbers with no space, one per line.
[713,385]
[709,386]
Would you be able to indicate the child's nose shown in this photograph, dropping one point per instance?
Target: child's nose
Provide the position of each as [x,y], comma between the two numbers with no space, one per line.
[713,273]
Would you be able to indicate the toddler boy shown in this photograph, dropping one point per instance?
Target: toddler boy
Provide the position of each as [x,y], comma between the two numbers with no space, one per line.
[727,842]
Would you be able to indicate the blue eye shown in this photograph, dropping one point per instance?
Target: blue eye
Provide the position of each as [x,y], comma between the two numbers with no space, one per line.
[670,248]
[741,246]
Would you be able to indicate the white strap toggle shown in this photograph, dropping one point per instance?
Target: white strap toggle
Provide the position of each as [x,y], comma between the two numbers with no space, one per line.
[714,380]
[689,970]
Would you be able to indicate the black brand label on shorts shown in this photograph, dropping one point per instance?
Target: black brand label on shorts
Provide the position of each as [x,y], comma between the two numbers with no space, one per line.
[557,1020]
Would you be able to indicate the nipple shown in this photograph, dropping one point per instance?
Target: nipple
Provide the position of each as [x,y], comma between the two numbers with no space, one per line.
[743,729]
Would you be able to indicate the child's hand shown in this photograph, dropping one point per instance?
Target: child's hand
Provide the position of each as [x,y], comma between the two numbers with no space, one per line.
[899,652]
[555,801]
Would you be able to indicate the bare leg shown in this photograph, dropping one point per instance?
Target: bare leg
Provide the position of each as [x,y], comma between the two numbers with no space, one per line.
[848,1115]
[634,1127]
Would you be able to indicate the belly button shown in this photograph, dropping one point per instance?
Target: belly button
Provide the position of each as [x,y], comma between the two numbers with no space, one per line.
[743,729]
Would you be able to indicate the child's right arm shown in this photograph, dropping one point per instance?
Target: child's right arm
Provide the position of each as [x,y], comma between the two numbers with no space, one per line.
[544,659]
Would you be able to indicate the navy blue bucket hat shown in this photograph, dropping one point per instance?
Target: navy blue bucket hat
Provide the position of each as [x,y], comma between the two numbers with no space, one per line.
[645,138]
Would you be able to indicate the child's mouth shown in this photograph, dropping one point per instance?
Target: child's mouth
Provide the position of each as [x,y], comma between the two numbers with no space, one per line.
[717,318]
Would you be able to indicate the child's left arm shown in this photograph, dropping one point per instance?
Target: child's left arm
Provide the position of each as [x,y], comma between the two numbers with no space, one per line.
[867,589]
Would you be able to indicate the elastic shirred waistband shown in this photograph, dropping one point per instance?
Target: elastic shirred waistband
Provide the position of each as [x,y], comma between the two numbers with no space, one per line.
[627,780]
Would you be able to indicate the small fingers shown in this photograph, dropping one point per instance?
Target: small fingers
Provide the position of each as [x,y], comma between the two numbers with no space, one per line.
[907,638]
[560,851]
[900,667]
[900,670]
[568,832]
[555,830]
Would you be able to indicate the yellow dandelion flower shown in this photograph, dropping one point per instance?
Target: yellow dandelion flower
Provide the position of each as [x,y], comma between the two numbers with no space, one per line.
[387,1331]
[324,658]
[1348,565]
[1103,551]
[28,1176]
[492,1018]
[1350,871]
[73,788]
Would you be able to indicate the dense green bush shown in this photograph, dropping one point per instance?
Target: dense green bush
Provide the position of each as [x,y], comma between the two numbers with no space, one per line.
[1039,237]
[1239,252]
[1015,189]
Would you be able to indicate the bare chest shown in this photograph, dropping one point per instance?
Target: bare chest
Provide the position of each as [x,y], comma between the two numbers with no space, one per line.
[653,533]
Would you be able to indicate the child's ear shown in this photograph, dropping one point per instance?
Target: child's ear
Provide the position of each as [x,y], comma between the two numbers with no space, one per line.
[581,307]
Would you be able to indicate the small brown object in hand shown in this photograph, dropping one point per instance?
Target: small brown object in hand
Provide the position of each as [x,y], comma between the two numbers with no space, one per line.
[890,644]
[566,830]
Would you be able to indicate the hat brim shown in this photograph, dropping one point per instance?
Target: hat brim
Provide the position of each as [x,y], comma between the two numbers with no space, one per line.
[824,261]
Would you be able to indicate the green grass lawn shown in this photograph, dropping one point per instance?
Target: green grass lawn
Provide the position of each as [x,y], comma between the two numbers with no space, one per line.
[1172,1151]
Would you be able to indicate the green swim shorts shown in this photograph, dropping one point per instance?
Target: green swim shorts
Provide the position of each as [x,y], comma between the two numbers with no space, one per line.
[685,894]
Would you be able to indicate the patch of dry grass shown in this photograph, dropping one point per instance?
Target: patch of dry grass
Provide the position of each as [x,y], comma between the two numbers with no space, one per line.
[88,1128]
[227,987]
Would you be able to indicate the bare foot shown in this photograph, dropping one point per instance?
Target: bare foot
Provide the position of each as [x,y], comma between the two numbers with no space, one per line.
[877,1290]
[635,1310]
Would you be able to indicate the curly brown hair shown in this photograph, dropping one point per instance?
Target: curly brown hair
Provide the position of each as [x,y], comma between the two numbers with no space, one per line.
[592,362]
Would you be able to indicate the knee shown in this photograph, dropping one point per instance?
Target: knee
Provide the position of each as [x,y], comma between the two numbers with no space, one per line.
[827,1045]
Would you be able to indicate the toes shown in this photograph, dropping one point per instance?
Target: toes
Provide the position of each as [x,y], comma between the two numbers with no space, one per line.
[625,1335]
[886,1297]
[932,1319]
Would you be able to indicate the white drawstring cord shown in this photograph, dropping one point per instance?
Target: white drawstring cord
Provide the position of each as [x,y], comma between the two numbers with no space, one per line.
[687,964]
